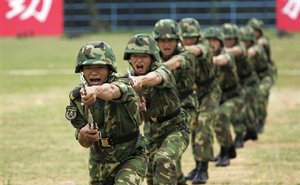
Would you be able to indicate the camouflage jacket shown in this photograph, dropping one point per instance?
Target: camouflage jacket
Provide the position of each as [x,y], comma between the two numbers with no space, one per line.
[205,70]
[227,74]
[162,101]
[244,66]
[185,77]
[260,62]
[115,119]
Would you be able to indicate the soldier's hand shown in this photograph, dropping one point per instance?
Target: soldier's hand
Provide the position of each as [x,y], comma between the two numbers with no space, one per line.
[90,97]
[137,83]
[88,136]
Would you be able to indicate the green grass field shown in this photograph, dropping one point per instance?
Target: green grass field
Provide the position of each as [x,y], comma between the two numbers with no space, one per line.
[38,144]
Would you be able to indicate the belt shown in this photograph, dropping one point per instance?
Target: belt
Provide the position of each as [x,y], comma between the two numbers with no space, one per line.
[184,94]
[161,119]
[107,142]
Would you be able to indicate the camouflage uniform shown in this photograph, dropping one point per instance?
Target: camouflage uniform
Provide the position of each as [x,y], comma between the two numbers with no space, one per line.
[165,121]
[230,102]
[120,156]
[264,71]
[264,42]
[184,75]
[208,95]
[248,81]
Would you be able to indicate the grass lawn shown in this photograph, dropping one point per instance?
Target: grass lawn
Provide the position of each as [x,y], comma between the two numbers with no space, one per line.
[38,144]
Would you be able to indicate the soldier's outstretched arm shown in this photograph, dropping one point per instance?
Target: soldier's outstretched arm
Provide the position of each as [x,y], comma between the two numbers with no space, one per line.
[105,91]
[251,52]
[235,51]
[220,60]
[174,62]
[194,49]
[150,79]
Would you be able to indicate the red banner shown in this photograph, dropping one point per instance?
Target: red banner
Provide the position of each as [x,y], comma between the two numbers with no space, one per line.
[288,15]
[31,17]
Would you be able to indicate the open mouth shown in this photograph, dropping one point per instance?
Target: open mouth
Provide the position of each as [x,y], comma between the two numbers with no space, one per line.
[140,68]
[95,81]
[167,50]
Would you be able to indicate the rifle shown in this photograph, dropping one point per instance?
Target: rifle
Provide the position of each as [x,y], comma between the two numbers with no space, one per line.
[91,121]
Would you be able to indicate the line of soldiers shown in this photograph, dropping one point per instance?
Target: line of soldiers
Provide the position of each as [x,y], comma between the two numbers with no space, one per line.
[184,84]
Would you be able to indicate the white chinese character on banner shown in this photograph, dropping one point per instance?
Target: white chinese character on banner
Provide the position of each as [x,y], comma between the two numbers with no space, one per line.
[292,9]
[18,8]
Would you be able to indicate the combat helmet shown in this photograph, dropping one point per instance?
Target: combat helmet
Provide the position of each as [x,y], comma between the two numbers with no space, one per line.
[231,31]
[189,27]
[142,43]
[247,34]
[96,52]
[256,24]
[166,29]
[214,32]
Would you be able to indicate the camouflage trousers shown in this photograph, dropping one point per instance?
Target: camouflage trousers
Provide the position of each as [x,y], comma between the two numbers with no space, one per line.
[202,129]
[164,157]
[231,112]
[251,104]
[192,115]
[128,172]
[263,97]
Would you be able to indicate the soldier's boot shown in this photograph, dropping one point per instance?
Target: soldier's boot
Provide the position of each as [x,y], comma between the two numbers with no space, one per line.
[181,181]
[239,141]
[223,159]
[201,176]
[192,173]
[250,134]
[232,152]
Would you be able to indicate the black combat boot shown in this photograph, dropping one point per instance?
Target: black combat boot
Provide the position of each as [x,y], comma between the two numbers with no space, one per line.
[223,159]
[232,152]
[239,141]
[192,173]
[201,173]
[181,180]
[250,134]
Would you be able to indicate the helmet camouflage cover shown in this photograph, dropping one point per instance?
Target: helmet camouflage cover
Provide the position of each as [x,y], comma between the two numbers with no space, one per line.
[142,43]
[214,32]
[247,34]
[166,29]
[96,52]
[189,27]
[230,31]
[255,24]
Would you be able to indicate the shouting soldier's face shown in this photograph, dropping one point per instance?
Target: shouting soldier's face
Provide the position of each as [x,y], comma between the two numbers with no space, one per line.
[95,74]
[140,63]
[167,47]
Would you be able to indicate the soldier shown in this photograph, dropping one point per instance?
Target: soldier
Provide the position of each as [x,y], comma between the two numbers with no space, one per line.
[182,64]
[263,68]
[248,81]
[104,111]
[262,40]
[165,121]
[230,103]
[208,95]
